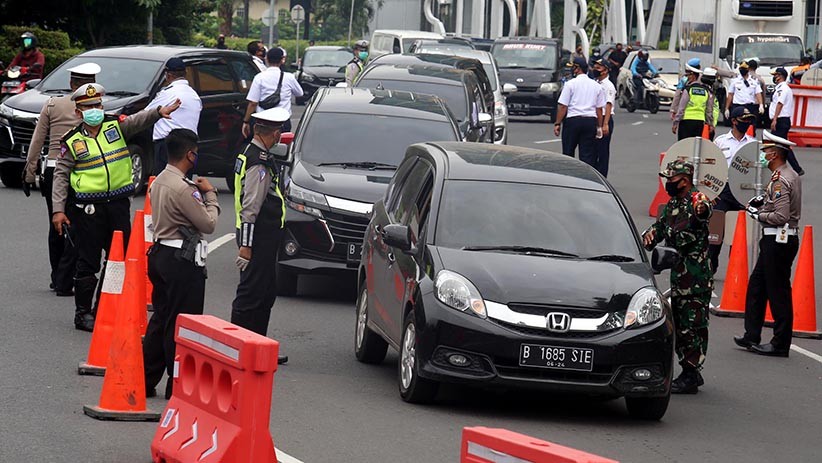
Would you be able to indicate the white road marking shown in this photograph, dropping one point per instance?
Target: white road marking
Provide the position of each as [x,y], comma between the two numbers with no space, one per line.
[283,457]
[807,353]
[547,141]
[212,246]
[638,123]
[645,116]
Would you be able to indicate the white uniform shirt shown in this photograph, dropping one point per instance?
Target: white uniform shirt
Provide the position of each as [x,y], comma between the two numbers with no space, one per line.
[782,94]
[610,93]
[265,83]
[259,62]
[187,116]
[582,96]
[744,94]
[730,145]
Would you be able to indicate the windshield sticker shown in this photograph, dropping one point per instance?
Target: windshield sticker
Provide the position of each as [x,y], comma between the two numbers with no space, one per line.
[523,46]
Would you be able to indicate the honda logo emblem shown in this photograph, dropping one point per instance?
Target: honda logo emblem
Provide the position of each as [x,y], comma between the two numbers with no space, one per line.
[520,80]
[558,322]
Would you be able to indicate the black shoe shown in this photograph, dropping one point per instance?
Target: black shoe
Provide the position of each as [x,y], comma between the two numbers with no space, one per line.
[769,350]
[282,359]
[744,342]
[51,286]
[700,381]
[151,393]
[800,172]
[84,322]
[61,293]
[686,383]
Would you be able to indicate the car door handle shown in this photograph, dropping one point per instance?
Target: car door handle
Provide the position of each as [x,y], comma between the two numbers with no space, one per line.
[391,258]
[377,232]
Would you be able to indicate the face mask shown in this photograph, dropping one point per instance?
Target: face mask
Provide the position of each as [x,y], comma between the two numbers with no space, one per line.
[763,159]
[196,159]
[672,188]
[743,72]
[593,74]
[742,126]
[363,55]
[27,43]
[775,80]
[93,117]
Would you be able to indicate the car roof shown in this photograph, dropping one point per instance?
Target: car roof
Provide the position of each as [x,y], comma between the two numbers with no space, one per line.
[502,163]
[328,48]
[435,73]
[159,52]
[425,59]
[526,39]
[409,33]
[382,103]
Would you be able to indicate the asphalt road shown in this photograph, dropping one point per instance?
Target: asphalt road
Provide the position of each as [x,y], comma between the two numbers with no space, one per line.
[327,407]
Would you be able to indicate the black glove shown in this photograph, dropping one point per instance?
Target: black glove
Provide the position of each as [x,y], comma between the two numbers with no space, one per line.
[753,212]
[757,201]
[26,186]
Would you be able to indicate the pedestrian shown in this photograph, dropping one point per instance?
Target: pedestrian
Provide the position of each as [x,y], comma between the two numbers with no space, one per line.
[311,43]
[272,89]
[781,113]
[183,211]
[696,107]
[578,53]
[355,66]
[745,92]
[187,116]
[617,59]
[779,211]
[680,86]
[257,51]
[595,56]
[683,225]
[730,143]
[56,118]
[221,42]
[582,100]
[603,145]
[260,216]
[94,169]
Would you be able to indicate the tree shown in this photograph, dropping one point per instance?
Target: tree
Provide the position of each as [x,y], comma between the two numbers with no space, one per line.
[225,10]
[331,17]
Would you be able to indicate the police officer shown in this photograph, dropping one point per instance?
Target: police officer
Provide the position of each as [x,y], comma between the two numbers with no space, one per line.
[187,117]
[778,210]
[744,91]
[183,211]
[260,215]
[56,118]
[355,66]
[603,145]
[582,100]
[93,175]
[781,110]
[683,224]
[680,86]
[696,107]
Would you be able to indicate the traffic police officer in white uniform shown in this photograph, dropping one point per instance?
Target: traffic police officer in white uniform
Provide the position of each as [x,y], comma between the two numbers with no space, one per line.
[781,113]
[603,145]
[581,105]
[745,92]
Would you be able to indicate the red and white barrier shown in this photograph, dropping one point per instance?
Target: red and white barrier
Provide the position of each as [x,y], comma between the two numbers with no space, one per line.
[491,445]
[806,124]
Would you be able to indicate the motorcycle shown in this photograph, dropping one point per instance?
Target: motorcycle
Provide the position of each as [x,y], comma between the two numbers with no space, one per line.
[12,84]
[650,99]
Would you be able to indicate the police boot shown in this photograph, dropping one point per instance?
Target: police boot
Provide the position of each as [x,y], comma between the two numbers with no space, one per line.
[83,294]
[687,382]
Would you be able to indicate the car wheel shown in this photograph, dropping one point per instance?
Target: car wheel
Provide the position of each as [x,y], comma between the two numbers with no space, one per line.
[647,408]
[11,174]
[413,388]
[369,347]
[286,282]
[140,168]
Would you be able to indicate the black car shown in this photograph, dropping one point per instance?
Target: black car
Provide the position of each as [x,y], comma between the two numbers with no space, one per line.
[322,66]
[460,89]
[533,65]
[132,77]
[493,265]
[347,145]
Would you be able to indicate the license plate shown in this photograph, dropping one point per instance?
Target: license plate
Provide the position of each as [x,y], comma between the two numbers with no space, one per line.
[354,250]
[560,358]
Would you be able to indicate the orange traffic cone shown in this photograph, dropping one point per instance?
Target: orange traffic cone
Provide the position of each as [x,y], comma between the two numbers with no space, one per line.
[750,132]
[123,397]
[661,196]
[732,303]
[804,290]
[149,237]
[106,310]
[137,250]
[706,132]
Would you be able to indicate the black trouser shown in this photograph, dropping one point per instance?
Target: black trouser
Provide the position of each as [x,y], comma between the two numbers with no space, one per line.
[639,89]
[179,287]
[689,128]
[93,232]
[770,281]
[257,290]
[726,202]
[160,156]
[783,126]
[603,150]
[62,255]
[582,132]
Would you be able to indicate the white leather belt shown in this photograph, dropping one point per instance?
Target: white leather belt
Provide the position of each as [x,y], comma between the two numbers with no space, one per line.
[775,231]
[51,163]
[172,243]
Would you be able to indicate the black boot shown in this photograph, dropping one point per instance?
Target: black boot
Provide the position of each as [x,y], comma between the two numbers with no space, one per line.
[687,382]
[83,293]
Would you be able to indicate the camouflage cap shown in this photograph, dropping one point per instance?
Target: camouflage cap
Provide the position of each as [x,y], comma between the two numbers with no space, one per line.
[677,167]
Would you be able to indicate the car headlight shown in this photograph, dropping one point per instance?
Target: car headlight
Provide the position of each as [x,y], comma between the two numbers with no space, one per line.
[549,87]
[5,111]
[307,77]
[457,292]
[645,307]
[303,200]
[499,109]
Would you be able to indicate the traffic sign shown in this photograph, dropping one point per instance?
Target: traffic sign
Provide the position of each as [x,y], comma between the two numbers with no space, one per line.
[742,174]
[711,175]
[297,14]
[268,18]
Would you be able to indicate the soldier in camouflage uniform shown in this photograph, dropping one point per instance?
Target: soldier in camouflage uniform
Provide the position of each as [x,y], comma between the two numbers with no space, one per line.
[683,225]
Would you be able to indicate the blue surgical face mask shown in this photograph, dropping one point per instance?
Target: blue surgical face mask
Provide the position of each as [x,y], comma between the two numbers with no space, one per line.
[93,116]
[363,55]
[27,42]
[763,159]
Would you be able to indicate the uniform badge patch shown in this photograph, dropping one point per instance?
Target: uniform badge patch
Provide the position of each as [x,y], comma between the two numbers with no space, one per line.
[196,194]
[79,147]
[262,175]
[112,135]
[777,190]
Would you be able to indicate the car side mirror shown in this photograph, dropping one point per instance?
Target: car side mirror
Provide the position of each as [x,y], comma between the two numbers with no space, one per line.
[485,119]
[286,138]
[723,52]
[282,153]
[341,85]
[32,83]
[508,89]
[398,236]
[663,258]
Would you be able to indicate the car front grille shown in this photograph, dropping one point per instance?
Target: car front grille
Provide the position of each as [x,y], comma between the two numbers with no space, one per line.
[524,88]
[603,377]
[545,333]
[345,229]
[543,310]
[22,131]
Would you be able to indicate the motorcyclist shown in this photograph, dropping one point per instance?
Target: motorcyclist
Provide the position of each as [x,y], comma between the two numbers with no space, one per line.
[30,57]
[639,68]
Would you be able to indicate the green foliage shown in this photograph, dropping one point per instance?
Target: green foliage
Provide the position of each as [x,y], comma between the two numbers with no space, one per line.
[240,44]
[46,39]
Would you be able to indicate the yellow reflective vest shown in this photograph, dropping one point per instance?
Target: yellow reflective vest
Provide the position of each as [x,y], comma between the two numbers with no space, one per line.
[102,164]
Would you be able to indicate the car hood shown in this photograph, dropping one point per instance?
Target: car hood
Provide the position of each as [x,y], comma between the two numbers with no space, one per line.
[507,278]
[33,100]
[361,185]
[325,72]
[527,77]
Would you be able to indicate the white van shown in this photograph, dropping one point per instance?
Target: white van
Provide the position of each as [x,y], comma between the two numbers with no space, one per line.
[384,41]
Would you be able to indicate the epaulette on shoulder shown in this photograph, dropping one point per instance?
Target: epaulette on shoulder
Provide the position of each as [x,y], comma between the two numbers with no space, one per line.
[71,132]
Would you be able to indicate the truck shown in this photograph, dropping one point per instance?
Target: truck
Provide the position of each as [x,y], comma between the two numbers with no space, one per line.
[727,32]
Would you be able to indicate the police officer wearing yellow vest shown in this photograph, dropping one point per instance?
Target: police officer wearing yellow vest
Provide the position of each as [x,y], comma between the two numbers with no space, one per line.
[94,175]
[696,107]
[355,66]
[260,215]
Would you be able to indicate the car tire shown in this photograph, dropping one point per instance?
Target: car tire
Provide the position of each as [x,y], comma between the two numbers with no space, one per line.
[11,174]
[647,408]
[369,347]
[286,282]
[140,168]
[413,388]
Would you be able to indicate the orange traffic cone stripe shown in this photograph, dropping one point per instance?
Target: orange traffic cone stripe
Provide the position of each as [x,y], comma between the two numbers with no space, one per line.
[736,277]
[661,196]
[137,250]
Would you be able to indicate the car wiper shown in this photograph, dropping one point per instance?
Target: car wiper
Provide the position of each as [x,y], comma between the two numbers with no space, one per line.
[57,90]
[361,164]
[612,258]
[121,93]
[512,67]
[521,249]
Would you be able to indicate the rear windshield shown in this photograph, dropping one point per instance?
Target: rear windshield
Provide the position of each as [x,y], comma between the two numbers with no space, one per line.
[454,96]
[126,75]
[525,55]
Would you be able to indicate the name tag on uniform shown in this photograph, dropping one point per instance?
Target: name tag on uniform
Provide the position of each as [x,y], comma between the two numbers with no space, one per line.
[79,147]
[112,134]
[782,235]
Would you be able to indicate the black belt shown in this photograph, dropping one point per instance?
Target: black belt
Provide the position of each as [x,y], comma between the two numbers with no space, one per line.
[581,117]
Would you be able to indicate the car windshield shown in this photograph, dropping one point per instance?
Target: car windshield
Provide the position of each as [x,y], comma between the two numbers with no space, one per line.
[570,221]
[771,50]
[327,58]
[453,95]
[526,55]
[117,75]
[379,139]
[666,65]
